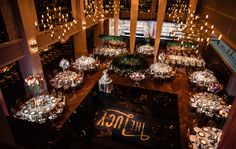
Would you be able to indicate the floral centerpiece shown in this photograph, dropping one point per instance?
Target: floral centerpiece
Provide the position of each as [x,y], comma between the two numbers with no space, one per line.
[34,83]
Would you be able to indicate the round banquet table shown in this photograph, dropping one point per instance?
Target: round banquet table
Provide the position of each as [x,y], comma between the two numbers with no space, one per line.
[85,63]
[146,49]
[205,137]
[40,108]
[66,79]
[161,70]
[205,79]
[207,103]
[202,78]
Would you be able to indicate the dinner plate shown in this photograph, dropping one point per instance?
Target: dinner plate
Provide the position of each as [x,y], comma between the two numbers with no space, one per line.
[203,141]
[23,107]
[54,100]
[214,129]
[32,113]
[26,111]
[201,134]
[192,99]
[205,129]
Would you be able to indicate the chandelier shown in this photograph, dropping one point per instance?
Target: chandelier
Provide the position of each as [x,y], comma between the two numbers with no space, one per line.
[53,18]
[191,28]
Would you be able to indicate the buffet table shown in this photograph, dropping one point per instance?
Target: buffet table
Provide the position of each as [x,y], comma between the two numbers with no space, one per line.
[205,138]
[41,108]
[66,79]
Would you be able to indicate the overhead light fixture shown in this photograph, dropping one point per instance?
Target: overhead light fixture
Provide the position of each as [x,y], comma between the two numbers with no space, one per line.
[55,17]
[191,28]
[93,11]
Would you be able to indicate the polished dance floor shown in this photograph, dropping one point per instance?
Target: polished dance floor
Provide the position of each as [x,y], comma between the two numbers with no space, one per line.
[129,117]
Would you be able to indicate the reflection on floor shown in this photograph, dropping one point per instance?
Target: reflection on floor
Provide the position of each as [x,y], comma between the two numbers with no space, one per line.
[129,115]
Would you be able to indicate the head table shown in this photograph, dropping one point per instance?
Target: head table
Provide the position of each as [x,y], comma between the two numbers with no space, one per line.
[209,104]
[41,108]
[205,137]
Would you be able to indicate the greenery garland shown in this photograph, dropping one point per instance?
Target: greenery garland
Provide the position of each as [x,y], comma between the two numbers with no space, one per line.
[129,63]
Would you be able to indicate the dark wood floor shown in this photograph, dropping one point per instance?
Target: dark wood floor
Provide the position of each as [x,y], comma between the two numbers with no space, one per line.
[179,85]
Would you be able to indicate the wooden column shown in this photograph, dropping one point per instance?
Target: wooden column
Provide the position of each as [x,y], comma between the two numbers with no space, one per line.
[116,16]
[98,28]
[101,20]
[106,27]
[193,5]
[133,23]
[80,43]
[31,64]
[160,20]
[153,7]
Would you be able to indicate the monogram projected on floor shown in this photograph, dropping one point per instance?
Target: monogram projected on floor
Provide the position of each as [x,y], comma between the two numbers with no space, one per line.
[117,119]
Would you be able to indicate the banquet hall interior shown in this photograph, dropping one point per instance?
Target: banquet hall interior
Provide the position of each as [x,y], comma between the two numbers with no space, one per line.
[111,74]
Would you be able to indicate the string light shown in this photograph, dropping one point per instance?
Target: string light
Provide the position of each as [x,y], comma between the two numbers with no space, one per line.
[190,28]
[54,17]
[93,11]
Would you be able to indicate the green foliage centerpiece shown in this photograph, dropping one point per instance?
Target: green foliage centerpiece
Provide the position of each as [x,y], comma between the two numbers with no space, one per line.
[129,63]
